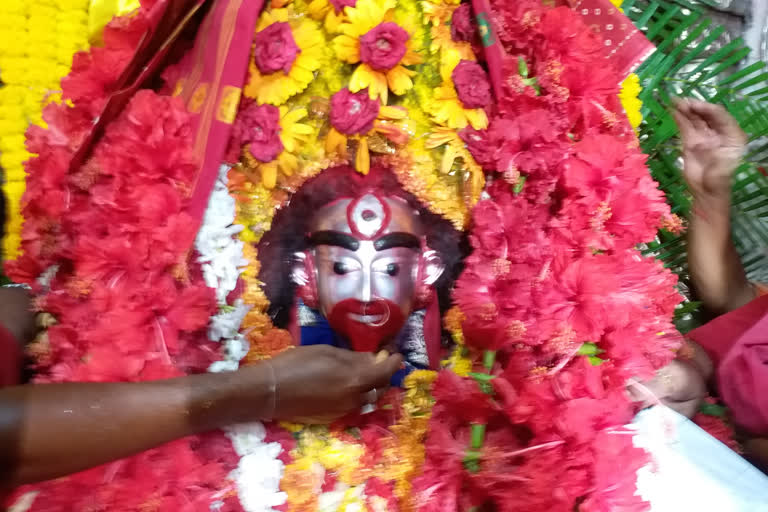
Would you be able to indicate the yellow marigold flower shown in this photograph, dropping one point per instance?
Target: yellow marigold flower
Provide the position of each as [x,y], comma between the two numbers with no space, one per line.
[381,48]
[629,96]
[277,86]
[447,108]
[459,363]
[439,15]
[102,12]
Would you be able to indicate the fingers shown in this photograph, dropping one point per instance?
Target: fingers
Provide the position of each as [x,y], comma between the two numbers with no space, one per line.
[688,121]
[716,116]
[683,124]
[702,115]
[382,372]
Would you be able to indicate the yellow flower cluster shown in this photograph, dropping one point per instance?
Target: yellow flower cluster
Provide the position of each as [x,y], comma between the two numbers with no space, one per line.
[415,132]
[629,96]
[37,41]
[320,451]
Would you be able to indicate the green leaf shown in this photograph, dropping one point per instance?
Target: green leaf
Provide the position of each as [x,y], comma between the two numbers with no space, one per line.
[484,381]
[712,409]
[589,349]
[595,361]
[519,185]
[522,67]
[694,57]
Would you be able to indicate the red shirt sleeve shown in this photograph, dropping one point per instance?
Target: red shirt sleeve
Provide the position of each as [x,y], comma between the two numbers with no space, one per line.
[10,358]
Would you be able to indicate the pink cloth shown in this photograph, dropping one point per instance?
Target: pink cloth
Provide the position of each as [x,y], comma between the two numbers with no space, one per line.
[738,345]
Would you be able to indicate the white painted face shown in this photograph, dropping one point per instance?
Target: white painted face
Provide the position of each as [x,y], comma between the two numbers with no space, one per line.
[368,258]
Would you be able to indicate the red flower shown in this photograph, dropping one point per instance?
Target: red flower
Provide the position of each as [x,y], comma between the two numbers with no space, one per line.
[353,113]
[383,47]
[274,48]
[339,5]
[532,142]
[472,85]
[468,403]
[615,484]
[258,127]
[478,143]
[463,26]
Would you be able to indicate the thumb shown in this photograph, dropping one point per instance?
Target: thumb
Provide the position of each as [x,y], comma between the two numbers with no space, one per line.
[380,373]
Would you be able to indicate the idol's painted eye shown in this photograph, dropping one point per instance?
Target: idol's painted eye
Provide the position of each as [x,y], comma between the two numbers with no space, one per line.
[393,269]
[340,268]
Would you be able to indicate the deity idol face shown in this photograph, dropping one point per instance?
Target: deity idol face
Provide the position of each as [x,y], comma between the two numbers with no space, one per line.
[368,267]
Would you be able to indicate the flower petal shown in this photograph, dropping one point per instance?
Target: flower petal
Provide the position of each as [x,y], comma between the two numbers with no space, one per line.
[363,158]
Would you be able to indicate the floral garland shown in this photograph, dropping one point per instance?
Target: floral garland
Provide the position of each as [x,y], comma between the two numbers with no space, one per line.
[37,41]
[561,309]
[153,297]
[556,308]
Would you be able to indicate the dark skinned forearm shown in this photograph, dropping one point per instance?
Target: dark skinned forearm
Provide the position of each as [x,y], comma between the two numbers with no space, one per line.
[47,431]
[716,270]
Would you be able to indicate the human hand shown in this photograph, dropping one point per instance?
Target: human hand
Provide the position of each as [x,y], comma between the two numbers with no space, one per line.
[679,386]
[713,144]
[16,314]
[318,384]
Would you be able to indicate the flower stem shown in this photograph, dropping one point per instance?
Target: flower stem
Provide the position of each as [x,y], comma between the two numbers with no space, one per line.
[477,439]
[489,358]
[478,435]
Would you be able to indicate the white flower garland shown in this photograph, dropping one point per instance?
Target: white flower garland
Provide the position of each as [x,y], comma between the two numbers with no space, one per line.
[259,470]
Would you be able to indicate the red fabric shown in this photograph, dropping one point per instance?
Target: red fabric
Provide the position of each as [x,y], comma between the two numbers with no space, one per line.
[494,53]
[10,359]
[432,332]
[221,70]
[738,345]
[626,47]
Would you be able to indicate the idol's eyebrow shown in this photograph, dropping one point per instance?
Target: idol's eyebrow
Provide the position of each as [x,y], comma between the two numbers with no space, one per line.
[391,240]
[334,238]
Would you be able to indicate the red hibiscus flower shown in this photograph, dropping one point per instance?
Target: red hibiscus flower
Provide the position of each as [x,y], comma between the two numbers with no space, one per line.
[532,143]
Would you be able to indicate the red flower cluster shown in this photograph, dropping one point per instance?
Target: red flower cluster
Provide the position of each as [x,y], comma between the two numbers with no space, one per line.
[555,287]
[129,300]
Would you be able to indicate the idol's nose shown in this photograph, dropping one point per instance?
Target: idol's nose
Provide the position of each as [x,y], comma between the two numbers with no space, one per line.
[366,287]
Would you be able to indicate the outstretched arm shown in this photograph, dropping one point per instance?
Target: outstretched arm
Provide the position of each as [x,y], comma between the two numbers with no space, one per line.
[713,144]
[51,430]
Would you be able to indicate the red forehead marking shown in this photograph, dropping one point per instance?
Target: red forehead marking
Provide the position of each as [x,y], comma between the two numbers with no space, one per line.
[367,215]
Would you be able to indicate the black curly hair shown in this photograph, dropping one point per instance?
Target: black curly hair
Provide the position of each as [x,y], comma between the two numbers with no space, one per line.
[291,223]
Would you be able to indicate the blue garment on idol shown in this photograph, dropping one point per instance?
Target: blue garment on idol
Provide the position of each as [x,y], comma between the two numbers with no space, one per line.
[410,341]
